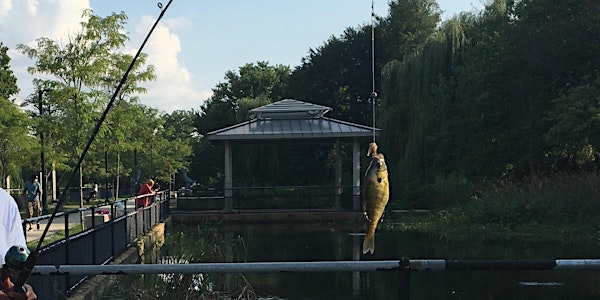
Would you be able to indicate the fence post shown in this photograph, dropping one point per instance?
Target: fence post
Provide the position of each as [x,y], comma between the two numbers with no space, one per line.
[113,214]
[67,246]
[93,227]
[404,284]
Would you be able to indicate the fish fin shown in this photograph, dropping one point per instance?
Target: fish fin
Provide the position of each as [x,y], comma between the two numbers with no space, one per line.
[369,243]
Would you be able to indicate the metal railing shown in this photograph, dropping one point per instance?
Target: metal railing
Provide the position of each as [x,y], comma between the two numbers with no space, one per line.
[403,266]
[97,243]
[308,198]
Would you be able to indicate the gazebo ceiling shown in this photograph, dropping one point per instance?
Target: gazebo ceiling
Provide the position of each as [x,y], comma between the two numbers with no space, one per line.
[290,119]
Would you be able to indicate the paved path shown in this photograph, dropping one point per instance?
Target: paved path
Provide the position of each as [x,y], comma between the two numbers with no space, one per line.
[58,224]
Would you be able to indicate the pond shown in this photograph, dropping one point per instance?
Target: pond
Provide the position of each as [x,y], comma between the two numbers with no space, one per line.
[327,242]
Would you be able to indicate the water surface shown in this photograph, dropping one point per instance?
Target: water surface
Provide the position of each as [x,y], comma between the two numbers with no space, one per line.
[327,242]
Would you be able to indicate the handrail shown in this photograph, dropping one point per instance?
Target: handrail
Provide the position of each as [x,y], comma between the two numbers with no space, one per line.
[404,264]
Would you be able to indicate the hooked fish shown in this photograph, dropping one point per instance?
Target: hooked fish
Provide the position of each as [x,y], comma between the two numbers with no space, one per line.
[377,194]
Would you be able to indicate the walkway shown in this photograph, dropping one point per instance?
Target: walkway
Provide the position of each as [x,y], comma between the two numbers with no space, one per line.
[59,223]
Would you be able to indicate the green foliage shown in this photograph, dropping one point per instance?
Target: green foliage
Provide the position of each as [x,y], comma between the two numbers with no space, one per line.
[563,204]
[408,26]
[252,81]
[134,141]
[8,81]
[78,70]
[254,85]
[575,136]
[501,94]
[338,74]
[15,142]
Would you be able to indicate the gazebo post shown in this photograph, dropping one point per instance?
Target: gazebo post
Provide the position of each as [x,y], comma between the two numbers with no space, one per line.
[228,192]
[355,175]
[338,174]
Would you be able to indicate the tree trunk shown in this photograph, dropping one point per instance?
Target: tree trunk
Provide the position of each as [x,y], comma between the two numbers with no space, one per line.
[117,181]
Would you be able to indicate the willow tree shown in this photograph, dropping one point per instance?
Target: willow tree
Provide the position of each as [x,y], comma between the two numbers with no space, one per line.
[416,103]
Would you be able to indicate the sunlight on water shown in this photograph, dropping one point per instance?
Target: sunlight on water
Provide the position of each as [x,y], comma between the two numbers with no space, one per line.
[533,283]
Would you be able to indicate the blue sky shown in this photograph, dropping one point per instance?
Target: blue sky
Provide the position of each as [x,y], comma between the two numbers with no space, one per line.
[198,41]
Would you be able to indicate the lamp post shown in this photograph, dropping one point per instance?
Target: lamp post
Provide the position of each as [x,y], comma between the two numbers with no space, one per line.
[44,178]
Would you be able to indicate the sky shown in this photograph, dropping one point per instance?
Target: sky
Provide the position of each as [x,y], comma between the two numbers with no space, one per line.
[197,41]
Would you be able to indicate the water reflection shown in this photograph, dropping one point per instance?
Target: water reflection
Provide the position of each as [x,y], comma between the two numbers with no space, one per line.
[265,243]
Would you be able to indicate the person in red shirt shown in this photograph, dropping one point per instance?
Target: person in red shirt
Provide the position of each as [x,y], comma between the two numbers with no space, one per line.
[144,190]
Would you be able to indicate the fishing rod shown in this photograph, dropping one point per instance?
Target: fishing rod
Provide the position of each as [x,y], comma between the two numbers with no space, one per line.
[32,258]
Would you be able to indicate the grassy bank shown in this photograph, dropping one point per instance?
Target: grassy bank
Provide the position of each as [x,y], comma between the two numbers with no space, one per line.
[543,209]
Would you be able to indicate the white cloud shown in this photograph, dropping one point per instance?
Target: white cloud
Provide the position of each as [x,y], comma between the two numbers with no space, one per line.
[24,21]
[5,7]
[172,89]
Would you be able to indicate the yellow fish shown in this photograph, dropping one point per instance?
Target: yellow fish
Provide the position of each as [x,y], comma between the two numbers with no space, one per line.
[377,194]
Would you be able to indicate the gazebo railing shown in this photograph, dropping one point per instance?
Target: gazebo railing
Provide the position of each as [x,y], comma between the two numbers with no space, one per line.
[278,197]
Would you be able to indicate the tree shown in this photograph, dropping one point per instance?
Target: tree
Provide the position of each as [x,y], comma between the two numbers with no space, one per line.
[82,70]
[253,80]
[116,135]
[181,137]
[338,74]
[574,138]
[253,85]
[8,81]
[408,26]
[15,141]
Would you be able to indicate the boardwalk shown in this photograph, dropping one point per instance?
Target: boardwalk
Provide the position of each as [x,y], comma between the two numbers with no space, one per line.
[58,225]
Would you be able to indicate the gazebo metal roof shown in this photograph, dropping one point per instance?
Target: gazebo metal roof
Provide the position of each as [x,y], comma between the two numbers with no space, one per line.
[290,119]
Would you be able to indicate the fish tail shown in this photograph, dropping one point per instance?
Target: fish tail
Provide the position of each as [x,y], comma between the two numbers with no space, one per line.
[369,243]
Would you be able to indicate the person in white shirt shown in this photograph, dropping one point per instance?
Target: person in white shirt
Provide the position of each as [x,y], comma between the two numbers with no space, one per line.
[11,234]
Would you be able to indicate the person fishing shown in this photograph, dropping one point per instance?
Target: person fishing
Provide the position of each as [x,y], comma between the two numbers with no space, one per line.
[146,189]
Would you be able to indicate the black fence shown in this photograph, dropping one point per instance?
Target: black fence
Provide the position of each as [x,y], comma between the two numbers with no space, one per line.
[307,198]
[97,244]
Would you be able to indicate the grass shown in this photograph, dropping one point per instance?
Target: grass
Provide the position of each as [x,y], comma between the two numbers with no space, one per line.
[555,208]
[56,236]
[59,235]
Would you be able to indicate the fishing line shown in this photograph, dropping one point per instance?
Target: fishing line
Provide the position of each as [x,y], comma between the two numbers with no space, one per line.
[373,93]
[31,260]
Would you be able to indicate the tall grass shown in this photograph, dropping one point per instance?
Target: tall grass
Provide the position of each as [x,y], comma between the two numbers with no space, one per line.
[199,243]
[542,208]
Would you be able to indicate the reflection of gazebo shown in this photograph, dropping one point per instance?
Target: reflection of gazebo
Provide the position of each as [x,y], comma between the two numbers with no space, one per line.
[292,120]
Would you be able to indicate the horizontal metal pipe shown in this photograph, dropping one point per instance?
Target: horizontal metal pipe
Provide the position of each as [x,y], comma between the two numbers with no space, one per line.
[323,266]
[257,267]
[577,264]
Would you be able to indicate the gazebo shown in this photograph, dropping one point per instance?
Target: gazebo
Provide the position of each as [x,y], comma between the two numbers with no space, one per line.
[293,120]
